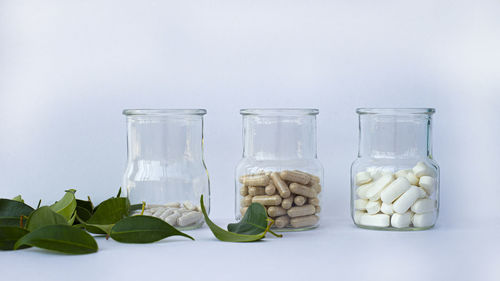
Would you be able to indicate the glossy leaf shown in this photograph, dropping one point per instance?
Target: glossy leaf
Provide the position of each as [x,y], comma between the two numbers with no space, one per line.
[228,236]
[67,205]
[13,221]
[83,213]
[12,208]
[87,205]
[18,198]
[9,235]
[42,217]
[107,214]
[61,238]
[253,222]
[143,229]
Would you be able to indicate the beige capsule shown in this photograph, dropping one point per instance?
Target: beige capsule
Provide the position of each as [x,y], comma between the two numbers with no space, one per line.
[246,201]
[313,201]
[276,211]
[280,185]
[270,189]
[299,200]
[244,190]
[304,221]
[314,179]
[256,190]
[303,190]
[255,180]
[295,176]
[318,209]
[267,200]
[282,221]
[316,187]
[243,210]
[287,202]
[299,211]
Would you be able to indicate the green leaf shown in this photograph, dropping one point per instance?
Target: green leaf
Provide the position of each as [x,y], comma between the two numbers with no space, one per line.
[12,221]
[84,204]
[42,217]
[143,229]
[11,208]
[253,222]
[9,235]
[67,205]
[227,236]
[18,198]
[106,215]
[83,213]
[61,238]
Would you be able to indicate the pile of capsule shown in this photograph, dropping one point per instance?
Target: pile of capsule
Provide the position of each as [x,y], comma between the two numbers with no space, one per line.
[290,197]
[401,199]
[175,213]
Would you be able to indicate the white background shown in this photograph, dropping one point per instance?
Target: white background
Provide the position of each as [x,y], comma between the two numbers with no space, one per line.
[68,69]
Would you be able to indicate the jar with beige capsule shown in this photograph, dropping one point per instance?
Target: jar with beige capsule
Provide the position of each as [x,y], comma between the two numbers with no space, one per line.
[280,169]
[395,180]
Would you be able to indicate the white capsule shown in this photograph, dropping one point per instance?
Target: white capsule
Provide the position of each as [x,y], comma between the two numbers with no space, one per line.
[373,207]
[423,206]
[361,191]
[363,178]
[379,220]
[412,178]
[423,220]
[173,204]
[428,184]
[401,220]
[394,190]
[423,194]
[374,192]
[360,204]
[403,203]
[158,211]
[358,215]
[375,172]
[166,213]
[421,169]
[189,206]
[401,173]
[172,219]
[189,218]
[386,209]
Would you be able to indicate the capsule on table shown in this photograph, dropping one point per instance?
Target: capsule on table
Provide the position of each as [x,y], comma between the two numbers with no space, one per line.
[255,180]
[189,218]
[256,190]
[281,221]
[304,221]
[276,211]
[299,211]
[303,190]
[280,185]
[295,176]
[267,200]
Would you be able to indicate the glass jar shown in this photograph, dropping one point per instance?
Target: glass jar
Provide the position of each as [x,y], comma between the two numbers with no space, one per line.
[280,169]
[165,167]
[394,180]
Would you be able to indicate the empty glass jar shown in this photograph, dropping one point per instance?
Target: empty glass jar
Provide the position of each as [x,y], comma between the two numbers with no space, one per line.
[165,167]
[394,180]
[280,169]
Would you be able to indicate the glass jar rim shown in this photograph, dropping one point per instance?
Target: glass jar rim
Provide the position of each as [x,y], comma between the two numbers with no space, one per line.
[395,111]
[163,112]
[279,111]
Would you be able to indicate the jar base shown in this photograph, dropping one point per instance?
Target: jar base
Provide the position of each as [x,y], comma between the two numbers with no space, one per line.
[412,228]
[285,229]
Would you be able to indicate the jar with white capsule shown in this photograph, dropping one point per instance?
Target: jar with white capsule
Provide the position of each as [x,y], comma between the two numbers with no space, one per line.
[280,168]
[395,180]
[165,165]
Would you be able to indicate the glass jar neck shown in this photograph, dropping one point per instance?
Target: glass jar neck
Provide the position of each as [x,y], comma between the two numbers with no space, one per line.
[397,135]
[165,139]
[276,137]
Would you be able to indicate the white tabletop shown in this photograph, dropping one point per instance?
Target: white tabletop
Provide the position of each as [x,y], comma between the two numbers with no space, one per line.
[337,250]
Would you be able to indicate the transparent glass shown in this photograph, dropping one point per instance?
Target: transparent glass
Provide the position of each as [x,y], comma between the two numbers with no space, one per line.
[395,180]
[165,166]
[280,168]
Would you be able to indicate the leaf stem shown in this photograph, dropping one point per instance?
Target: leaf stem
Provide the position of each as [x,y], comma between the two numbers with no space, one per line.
[39,203]
[143,206]
[271,222]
